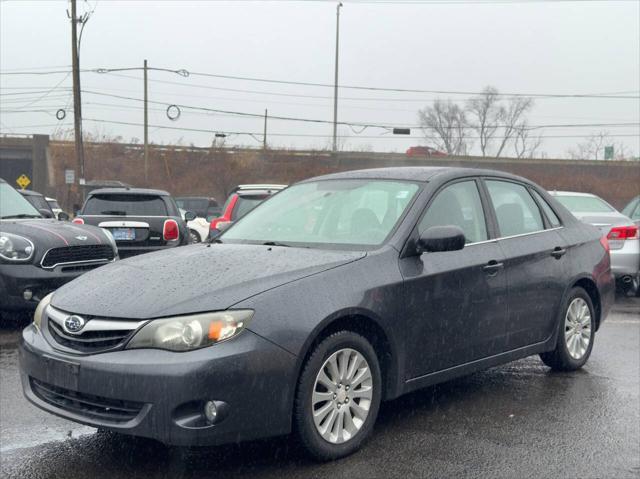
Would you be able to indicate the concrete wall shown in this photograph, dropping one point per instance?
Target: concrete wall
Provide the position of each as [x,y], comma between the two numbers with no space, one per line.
[185,170]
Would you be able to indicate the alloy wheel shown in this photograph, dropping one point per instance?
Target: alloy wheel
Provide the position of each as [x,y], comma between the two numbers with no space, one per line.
[577,328]
[342,395]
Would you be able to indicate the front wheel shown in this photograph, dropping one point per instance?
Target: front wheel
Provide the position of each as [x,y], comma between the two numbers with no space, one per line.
[576,334]
[338,396]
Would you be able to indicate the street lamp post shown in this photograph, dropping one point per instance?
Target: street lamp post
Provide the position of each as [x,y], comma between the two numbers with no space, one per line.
[335,83]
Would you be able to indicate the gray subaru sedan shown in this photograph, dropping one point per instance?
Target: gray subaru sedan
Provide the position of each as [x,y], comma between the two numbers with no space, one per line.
[337,293]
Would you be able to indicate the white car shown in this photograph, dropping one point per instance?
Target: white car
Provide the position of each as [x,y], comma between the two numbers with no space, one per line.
[198,228]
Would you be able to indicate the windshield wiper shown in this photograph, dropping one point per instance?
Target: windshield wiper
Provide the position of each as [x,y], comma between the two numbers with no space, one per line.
[275,243]
[114,213]
[22,215]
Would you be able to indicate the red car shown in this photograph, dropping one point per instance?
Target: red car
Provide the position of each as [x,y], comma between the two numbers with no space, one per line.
[243,199]
[425,151]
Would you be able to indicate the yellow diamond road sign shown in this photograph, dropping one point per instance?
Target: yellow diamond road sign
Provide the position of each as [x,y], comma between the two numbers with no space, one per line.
[23,181]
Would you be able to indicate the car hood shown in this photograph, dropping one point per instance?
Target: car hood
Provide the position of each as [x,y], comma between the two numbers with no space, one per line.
[190,279]
[604,221]
[50,233]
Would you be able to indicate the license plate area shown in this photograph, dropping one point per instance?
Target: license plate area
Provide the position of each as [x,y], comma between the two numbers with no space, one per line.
[61,373]
[123,234]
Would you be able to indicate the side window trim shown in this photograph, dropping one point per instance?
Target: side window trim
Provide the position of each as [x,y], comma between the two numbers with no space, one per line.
[483,204]
[498,233]
[547,222]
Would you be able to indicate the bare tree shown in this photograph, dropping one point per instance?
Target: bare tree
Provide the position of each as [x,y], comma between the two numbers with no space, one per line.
[511,116]
[486,113]
[592,148]
[445,125]
[525,144]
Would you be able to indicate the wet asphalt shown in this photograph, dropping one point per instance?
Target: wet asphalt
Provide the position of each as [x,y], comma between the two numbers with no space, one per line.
[517,420]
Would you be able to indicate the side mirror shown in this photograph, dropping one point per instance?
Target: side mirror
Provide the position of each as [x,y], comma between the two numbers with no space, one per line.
[62,216]
[45,213]
[441,238]
[189,216]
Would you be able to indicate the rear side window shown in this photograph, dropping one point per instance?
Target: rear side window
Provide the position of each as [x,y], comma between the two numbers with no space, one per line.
[458,205]
[515,209]
[125,205]
[549,213]
[246,204]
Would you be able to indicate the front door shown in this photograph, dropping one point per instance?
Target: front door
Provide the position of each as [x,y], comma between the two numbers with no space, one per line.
[455,302]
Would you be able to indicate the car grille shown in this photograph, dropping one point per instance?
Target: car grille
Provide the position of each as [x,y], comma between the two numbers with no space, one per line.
[88,405]
[98,335]
[77,254]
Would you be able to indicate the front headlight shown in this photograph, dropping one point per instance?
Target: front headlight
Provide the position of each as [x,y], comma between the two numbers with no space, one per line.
[42,305]
[185,333]
[15,248]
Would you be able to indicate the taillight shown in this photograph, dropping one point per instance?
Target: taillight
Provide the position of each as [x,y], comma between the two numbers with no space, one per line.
[214,223]
[78,221]
[170,231]
[623,233]
[605,243]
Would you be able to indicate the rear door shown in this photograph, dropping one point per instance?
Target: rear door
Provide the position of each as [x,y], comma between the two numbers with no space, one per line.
[534,262]
[455,302]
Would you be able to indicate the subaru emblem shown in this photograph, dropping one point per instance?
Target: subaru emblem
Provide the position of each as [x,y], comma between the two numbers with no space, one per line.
[73,324]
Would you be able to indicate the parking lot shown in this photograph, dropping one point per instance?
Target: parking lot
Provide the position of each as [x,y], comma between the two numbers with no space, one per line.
[518,420]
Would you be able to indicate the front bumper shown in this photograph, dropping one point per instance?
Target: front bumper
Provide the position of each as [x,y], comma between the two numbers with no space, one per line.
[163,391]
[15,278]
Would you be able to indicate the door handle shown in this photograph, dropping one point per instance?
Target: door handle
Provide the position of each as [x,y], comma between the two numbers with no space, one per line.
[492,267]
[558,252]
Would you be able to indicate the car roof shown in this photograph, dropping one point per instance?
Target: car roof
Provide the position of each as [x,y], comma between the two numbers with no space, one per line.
[572,193]
[129,191]
[414,173]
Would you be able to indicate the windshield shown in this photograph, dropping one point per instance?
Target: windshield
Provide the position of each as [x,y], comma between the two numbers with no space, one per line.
[54,204]
[14,205]
[196,205]
[339,212]
[39,202]
[584,204]
[125,204]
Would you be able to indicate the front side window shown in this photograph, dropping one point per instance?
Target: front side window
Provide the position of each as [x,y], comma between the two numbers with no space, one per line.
[125,205]
[458,205]
[515,209]
[331,212]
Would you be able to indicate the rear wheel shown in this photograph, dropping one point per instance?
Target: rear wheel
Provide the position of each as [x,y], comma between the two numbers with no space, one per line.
[576,333]
[338,396]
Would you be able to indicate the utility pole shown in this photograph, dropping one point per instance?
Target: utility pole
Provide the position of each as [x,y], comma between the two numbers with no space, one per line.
[264,137]
[146,129]
[335,83]
[77,102]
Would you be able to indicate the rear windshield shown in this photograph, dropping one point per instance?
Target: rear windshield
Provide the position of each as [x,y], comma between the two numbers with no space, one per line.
[197,205]
[39,202]
[53,204]
[584,204]
[125,205]
[246,204]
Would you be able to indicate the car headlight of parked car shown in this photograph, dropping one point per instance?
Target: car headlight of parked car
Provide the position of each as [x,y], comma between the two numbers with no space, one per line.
[15,248]
[185,333]
[42,305]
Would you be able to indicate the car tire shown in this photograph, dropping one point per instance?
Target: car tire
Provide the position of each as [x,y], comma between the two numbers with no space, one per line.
[334,423]
[576,333]
[194,237]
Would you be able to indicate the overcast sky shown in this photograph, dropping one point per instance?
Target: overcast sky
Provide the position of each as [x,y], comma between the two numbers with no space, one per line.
[548,47]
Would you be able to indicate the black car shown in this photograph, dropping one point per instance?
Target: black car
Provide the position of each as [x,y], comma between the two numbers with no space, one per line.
[335,294]
[37,255]
[203,206]
[140,220]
